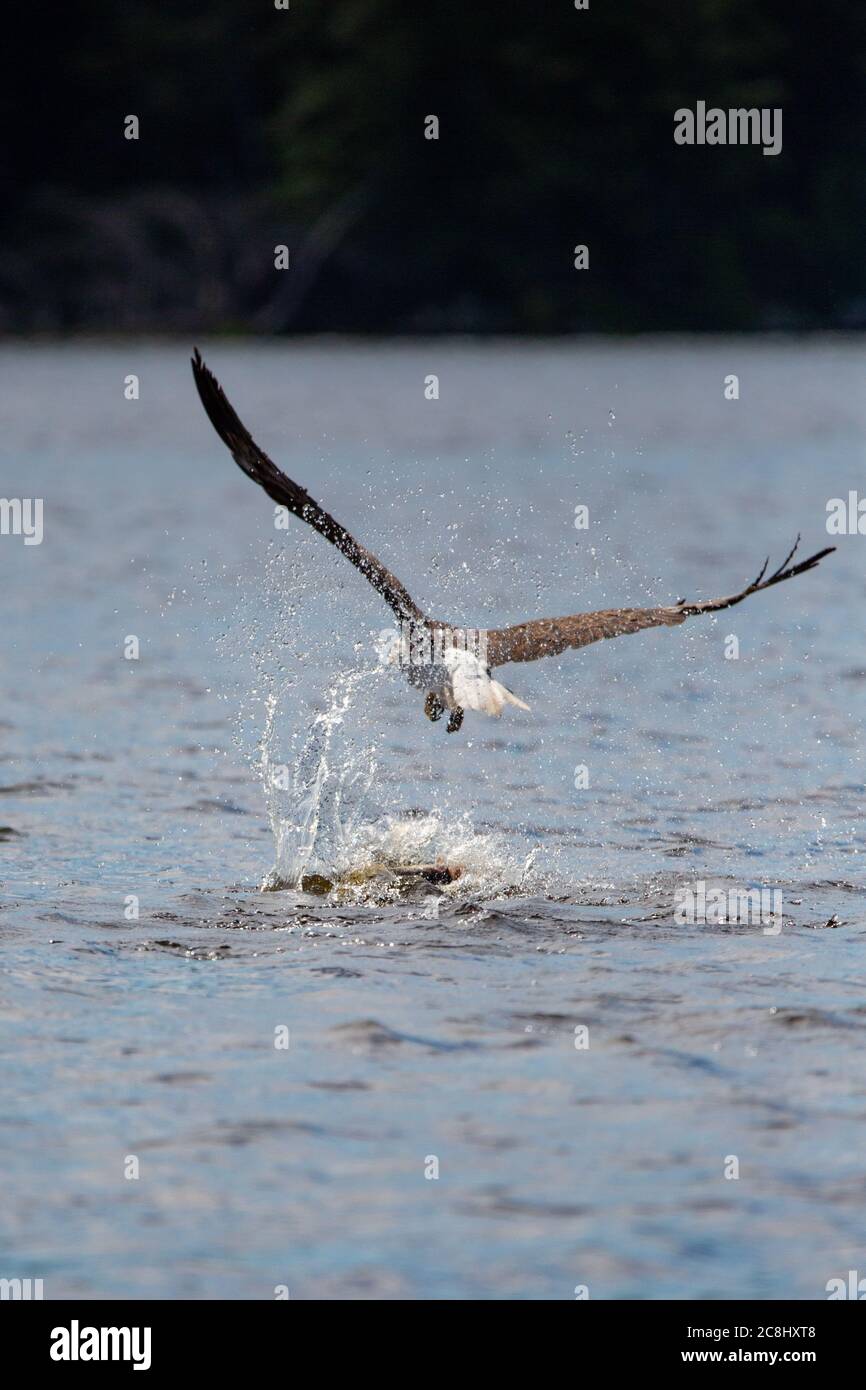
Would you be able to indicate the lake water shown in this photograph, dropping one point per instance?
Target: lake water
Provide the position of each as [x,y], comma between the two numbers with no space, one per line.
[256,734]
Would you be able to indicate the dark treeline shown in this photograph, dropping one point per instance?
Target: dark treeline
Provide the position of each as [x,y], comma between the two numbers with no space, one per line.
[305,126]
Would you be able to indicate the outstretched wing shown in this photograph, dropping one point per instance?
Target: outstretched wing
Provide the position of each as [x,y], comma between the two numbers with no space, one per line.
[549,636]
[256,464]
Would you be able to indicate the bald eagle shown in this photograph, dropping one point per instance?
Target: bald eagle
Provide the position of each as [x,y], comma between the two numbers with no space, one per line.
[452,665]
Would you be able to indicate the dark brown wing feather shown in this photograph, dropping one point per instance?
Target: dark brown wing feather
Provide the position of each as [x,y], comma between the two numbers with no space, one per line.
[256,464]
[549,636]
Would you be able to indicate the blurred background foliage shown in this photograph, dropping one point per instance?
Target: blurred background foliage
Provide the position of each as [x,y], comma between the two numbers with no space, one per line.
[306,127]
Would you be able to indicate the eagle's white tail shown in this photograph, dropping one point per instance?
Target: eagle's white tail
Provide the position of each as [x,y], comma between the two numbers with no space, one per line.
[498,697]
[473,688]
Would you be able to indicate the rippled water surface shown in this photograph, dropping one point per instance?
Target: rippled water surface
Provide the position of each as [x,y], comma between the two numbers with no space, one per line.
[257,738]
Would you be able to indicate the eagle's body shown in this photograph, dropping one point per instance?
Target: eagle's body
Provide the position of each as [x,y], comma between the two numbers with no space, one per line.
[456,673]
[460,680]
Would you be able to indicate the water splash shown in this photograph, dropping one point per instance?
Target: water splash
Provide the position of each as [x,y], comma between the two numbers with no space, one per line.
[486,861]
[329,832]
[314,807]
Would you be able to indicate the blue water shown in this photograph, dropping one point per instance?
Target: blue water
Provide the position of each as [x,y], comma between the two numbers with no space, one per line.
[439,1024]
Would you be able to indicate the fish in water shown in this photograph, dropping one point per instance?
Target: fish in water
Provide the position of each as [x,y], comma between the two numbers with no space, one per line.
[402,877]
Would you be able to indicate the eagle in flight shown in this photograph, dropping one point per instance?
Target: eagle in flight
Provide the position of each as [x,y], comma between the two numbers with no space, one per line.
[454,665]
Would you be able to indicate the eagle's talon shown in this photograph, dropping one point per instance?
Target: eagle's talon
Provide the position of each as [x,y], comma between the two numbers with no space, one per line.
[433,707]
[455,721]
